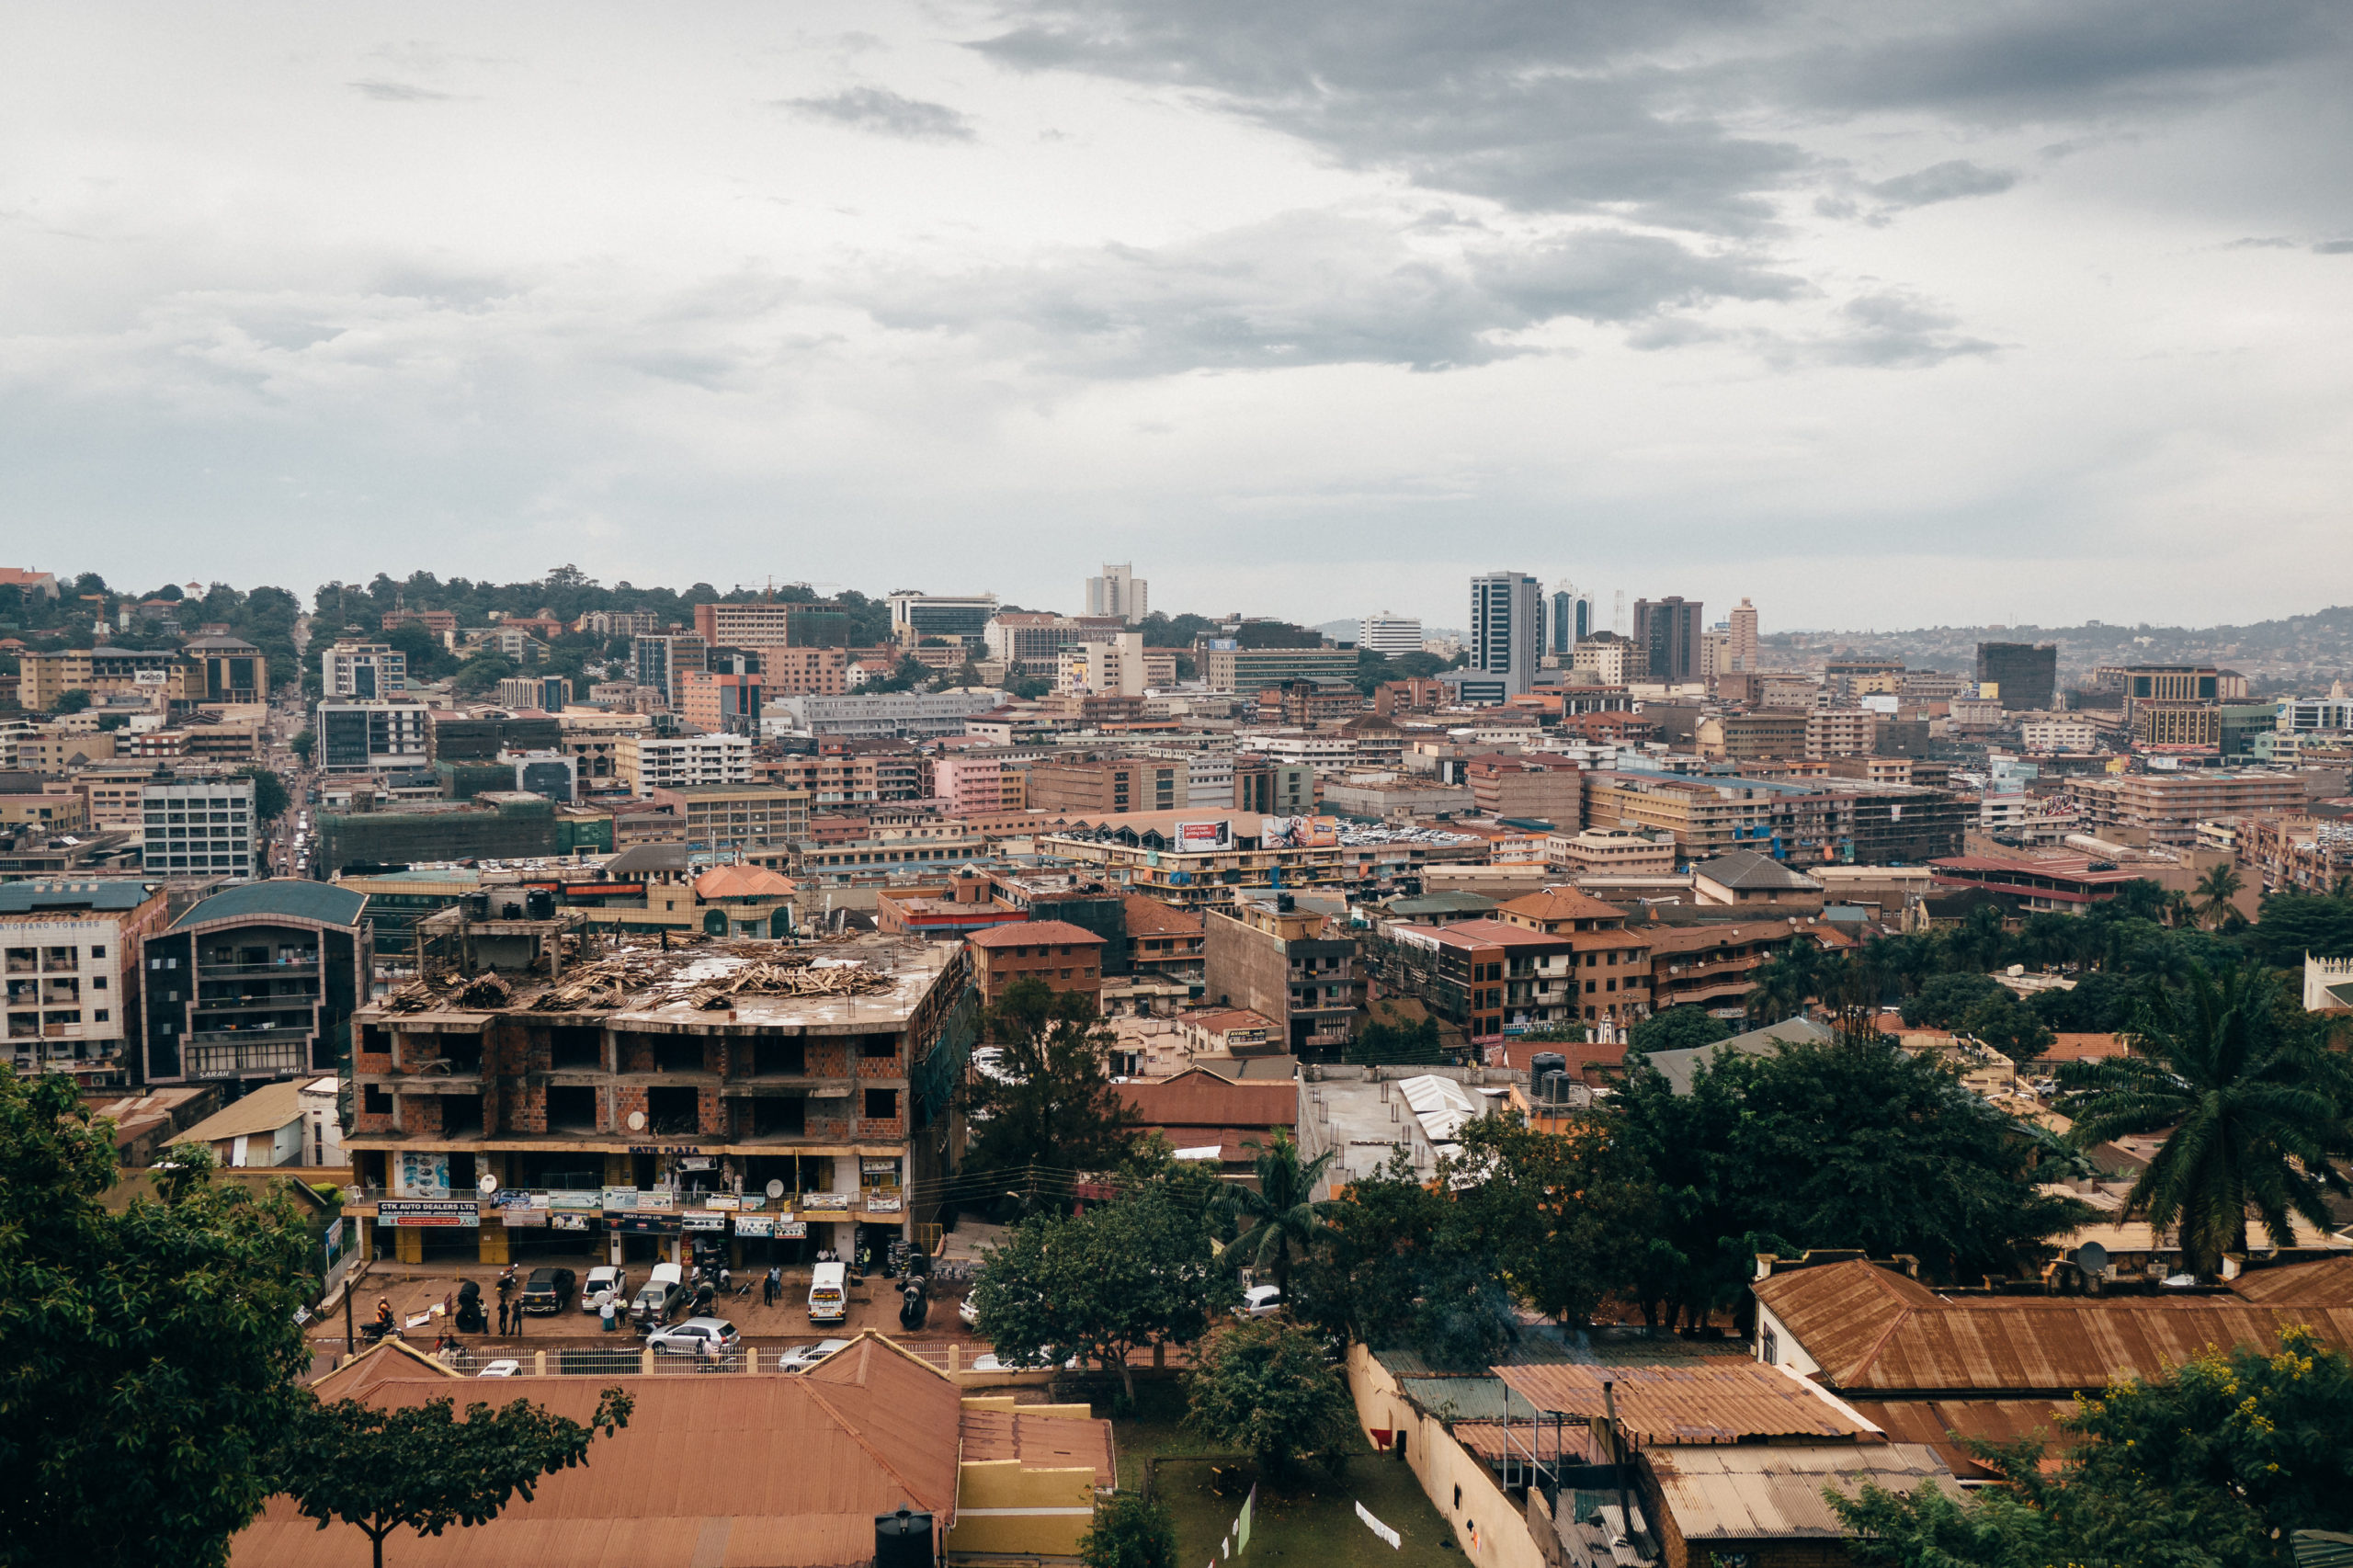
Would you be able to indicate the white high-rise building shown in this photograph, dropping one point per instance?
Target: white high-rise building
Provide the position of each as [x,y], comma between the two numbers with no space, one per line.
[200,827]
[1117,592]
[1390,635]
[1506,633]
[364,670]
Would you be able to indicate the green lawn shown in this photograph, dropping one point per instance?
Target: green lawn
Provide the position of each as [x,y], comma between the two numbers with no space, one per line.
[1316,1523]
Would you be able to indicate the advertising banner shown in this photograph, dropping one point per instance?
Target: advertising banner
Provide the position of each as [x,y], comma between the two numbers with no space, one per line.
[824,1200]
[644,1225]
[416,1174]
[459,1212]
[619,1197]
[524,1219]
[791,1230]
[576,1199]
[702,1219]
[753,1225]
[1195,837]
[876,1203]
[560,1221]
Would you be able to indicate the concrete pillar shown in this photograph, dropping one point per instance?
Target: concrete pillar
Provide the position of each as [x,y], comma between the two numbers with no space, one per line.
[645,1362]
[752,1359]
[538,1363]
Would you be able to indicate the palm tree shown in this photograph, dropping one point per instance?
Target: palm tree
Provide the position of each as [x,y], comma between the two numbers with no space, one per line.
[2179,912]
[1282,1213]
[2255,1112]
[2216,889]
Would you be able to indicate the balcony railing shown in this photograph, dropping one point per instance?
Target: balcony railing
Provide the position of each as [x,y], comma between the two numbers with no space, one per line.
[308,964]
[236,1053]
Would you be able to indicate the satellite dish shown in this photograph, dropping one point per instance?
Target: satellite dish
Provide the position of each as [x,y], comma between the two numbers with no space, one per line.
[2092,1259]
[775,1189]
[637,1121]
[488,1184]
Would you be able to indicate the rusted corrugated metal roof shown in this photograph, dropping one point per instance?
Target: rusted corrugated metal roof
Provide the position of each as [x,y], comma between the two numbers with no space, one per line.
[1198,1099]
[1716,1401]
[1942,1423]
[2325,1282]
[1869,1328]
[1775,1493]
[733,1470]
[1040,1442]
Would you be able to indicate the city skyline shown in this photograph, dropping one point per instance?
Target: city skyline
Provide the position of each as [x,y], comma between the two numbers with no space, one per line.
[2011,316]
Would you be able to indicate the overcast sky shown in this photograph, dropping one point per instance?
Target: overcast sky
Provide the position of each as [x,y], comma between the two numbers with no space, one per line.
[1882,314]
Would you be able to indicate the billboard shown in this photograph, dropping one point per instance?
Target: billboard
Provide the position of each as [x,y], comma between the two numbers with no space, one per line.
[1198,838]
[1299,833]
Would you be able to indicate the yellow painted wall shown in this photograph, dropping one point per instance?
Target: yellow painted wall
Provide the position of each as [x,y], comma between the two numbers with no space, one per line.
[1058,1507]
[1441,1464]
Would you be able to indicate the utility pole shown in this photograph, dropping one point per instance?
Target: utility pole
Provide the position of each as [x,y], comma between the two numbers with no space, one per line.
[350,1283]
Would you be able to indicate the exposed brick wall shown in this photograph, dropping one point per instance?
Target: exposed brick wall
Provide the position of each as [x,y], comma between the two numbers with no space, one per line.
[710,1113]
[627,1097]
[828,1056]
[421,1114]
[637,1053]
[522,1108]
[880,1128]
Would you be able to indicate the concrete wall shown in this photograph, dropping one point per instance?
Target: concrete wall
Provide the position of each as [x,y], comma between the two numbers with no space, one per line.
[1005,1510]
[1491,1530]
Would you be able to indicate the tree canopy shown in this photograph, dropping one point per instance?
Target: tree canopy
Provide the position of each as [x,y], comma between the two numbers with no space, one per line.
[1046,1097]
[1262,1386]
[148,1355]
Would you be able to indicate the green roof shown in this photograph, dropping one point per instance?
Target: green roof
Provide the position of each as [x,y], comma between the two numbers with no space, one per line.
[291,898]
[24,898]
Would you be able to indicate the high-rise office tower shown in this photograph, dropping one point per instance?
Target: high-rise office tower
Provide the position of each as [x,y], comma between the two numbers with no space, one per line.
[2025,676]
[1741,653]
[1571,620]
[1667,631]
[1506,629]
[1389,635]
[1117,592]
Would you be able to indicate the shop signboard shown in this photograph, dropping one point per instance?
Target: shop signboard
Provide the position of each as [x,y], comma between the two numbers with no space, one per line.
[697,1162]
[430,1214]
[623,1198]
[876,1203]
[791,1230]
[754,1200]
[753,1225]
[521,1219]
[816,1200]
[656,1199]
[333,1240]
[575,1200]
[702,1219]
[644,1225]
[726,1201]
[560,1219]
[879,1167]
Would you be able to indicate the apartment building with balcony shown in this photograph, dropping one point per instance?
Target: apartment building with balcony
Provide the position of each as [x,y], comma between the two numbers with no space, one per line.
[71,953]
[351,668]
[1272,954]
[2167,807]
[1489,979]
[1714,965]
[594,740]
[633,1118]
[721,819]
[1193,859]
[648,761]
[256,983]
[769,624]
[851,773]
[372,736]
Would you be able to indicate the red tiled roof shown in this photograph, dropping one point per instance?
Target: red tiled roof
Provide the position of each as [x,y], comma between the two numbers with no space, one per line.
[1486,933]
[1032,932]
[1561,903]
[1150,917]
[741,881]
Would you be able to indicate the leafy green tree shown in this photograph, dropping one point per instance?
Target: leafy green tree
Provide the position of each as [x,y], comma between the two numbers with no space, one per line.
[2099,1003]
[270,799]
[1680,1028]
[427,656]
[148,1355]
[2296,924]
[1384,1044]
[2009,1025]
[1046,1098]
[302,744]
[1282,1215]
[74,699]
[1946,999]
[1364,1278]
[2213,1467]
[1131,1530]
[1263,1387]
[420,1468]
[1123,1276]
[1554,1211]
[2254,1102]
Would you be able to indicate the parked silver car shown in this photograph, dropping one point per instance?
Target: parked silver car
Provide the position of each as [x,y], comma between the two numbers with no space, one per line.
[695,1336]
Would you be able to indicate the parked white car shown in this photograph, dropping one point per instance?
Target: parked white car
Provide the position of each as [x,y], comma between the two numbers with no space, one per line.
[801,1357]
[966,1314]
[502,1369]
[601,1278]
[993,1362]
[1260,1301]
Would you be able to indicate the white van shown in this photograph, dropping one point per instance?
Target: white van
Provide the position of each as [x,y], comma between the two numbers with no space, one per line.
[828,1294]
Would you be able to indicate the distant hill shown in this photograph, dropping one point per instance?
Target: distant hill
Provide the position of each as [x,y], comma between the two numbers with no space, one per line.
[2297,652]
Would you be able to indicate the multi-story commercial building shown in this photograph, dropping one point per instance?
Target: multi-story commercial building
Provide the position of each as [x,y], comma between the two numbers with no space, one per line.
[802,672]
[2177,724]
[1538,787]
[1033,639]
[2171,683]
[1272,787]
[2303,715]
[551,694]
[851,773]
[1389,634]
[2288,853]
[604,623]
[257,981]
[905,715]
[1714,965]
[1740,649]
[234,670]
[1603,658]
[773,625]
[1608,965]
[496,824]
[662,662]
[1506,636]
[646,762]
[200,827]
[625,1121]
[1840,731]
[70,951]
[2052,734]
[915,615]
[1610,852]
[1667,631]
[594,739]
[54,752]
[372,736]
[54,808]
[720,704]
[1572,620]
[1108,788]
[2024,676]
[1118,665]
[1225,665]
[1752,737]
[349,668]
[1119,592]
[721,819]
[1268,954]
[1303,703]
[1190,862]
[482,736]
[163,676]
[980,784]
[2167,807]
